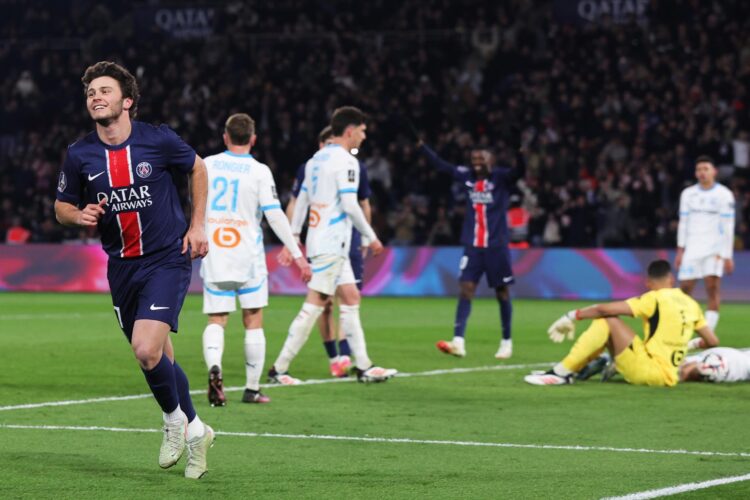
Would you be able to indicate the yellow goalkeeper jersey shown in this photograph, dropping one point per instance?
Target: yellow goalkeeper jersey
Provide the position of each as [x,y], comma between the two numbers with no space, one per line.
[669,319]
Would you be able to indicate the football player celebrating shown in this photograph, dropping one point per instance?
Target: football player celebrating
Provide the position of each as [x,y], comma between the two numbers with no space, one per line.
[122,175]
[485,238]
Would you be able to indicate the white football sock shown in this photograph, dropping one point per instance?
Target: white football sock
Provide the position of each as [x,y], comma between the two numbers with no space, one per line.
[560,370]
[255,355]
[195,428]
[352,327]
[712,318]
[459,342]
[175,416]
[299,331]
[213,345]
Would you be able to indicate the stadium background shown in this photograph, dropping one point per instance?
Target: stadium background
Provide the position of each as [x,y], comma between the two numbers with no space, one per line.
[614,100]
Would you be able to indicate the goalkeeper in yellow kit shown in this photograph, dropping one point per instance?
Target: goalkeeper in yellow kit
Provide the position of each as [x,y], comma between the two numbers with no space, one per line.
[670,317]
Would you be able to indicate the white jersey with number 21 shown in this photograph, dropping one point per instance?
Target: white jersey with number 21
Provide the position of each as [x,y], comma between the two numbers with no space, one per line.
[240,189]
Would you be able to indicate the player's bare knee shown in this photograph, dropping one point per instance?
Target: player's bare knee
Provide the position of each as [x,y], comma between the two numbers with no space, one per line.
[502,293]
[218,319]
[148,356]
[467,290]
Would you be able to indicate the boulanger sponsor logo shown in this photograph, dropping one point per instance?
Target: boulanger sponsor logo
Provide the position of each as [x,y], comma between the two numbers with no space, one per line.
[143,169]
[226,237]
[126,199]
[62,183]
[314,218]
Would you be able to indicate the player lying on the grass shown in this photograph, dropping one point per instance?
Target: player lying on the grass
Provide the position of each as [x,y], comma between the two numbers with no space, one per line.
[670,317]
[720,364]
[242,191]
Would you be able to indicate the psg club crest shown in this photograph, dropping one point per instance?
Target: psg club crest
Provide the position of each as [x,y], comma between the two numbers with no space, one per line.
[62,183]
[143,169]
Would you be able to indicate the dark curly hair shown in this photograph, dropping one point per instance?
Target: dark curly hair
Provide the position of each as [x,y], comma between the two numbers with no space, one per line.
[125,78]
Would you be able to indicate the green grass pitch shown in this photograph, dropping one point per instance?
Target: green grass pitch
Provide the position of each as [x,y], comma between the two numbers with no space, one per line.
[59,347]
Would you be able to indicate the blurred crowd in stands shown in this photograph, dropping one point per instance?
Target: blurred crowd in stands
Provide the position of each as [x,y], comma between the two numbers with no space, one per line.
[612,114]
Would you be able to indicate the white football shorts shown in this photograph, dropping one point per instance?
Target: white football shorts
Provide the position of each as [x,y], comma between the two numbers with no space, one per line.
[696,269]
[221,297]
[330,271]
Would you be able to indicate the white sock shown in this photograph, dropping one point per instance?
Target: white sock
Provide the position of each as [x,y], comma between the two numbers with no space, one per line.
[350,323]
[175,416]
[195,428]
[559,369]
[458,342]
[508,342]
[255,355]
[299,331]
[712,318]
[213,345]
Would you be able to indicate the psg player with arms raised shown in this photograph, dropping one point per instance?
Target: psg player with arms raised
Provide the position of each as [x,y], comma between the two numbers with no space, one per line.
[484,236]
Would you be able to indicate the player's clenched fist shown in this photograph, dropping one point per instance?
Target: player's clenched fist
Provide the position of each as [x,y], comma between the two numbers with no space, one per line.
[91,213]
[562,328]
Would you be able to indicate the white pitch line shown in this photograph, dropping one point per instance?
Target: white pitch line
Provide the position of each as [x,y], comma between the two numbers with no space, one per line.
[430,373]
[681,488]
[368,439]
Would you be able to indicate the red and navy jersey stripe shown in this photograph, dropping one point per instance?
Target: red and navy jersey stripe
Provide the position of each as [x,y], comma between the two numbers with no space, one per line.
[143,213]
[485,223]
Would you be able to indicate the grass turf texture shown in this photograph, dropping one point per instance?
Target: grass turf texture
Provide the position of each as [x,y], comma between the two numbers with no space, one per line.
[68,346]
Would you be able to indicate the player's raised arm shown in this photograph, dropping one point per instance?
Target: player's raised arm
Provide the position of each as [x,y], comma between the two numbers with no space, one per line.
[434,159]
[195,237]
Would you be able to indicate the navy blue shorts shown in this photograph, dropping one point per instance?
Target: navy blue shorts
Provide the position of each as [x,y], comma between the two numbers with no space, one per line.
[494,262]
[149,287]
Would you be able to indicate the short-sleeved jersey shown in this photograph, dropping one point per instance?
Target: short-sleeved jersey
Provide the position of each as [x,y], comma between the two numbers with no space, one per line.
[706,225]
[329,174]
[363,193]
[670,317]
[485,223]
[240,189]
[737,363]
[143,213]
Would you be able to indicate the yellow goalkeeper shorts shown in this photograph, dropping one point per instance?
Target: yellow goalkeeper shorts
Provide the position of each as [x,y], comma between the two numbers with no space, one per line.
[639,367]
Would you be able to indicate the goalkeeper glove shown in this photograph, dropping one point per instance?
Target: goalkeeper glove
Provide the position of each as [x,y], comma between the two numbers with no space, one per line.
[563,327]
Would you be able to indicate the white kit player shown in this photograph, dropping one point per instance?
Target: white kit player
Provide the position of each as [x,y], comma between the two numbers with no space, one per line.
[719,364]
[330,192]
[241,191]
[705,236]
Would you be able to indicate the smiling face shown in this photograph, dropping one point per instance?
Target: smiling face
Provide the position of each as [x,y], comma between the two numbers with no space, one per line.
[480,162]
[104,101]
